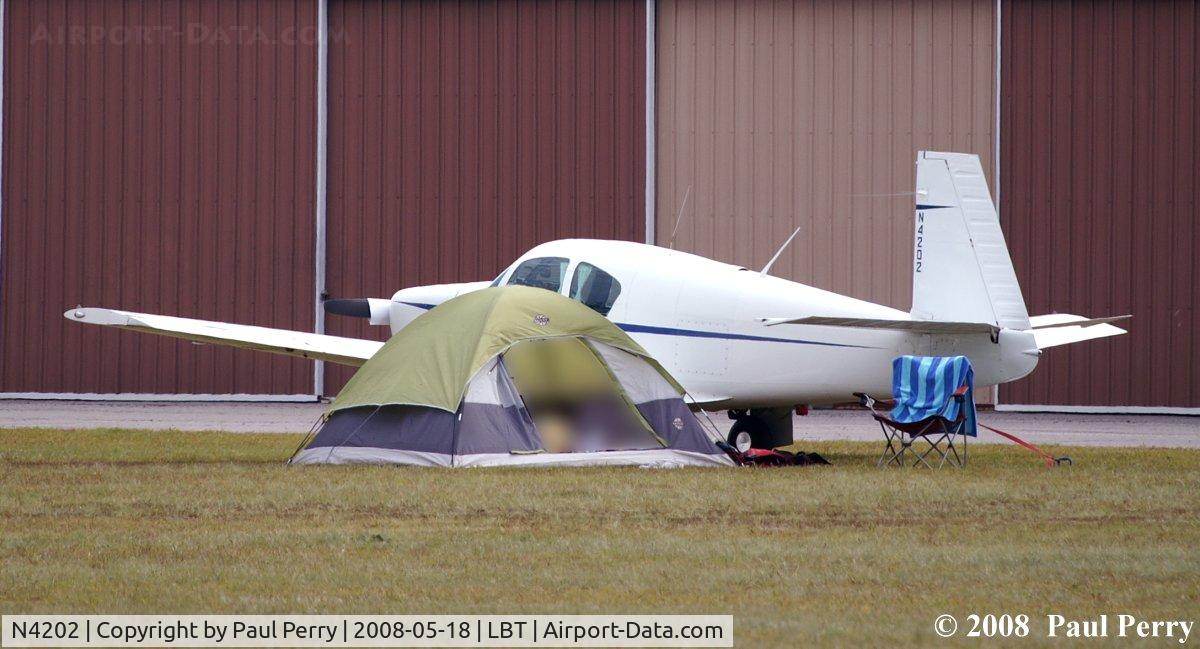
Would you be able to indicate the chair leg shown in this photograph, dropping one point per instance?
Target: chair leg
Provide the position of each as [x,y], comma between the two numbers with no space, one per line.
[934,445]
[906,448]
[887,445]
[953,456]
[890,452]
[898,445]
[947,454]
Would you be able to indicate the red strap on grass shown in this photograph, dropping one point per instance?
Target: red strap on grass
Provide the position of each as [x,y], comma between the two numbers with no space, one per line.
[1050,459]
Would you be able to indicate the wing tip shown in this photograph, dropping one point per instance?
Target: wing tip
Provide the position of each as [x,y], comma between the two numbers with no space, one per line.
[97,316]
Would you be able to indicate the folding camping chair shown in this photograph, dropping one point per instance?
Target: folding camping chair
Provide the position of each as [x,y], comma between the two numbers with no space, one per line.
[934,404]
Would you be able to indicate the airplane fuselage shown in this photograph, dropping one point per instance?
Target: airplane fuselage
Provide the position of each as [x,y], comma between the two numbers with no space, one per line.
[702,319]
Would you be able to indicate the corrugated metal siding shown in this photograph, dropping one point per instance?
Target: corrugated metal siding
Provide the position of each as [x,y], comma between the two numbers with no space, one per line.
[809,113]
[464,133]
[1100,138]
[157,157]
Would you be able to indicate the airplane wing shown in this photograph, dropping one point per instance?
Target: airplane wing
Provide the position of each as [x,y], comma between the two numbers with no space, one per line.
[705,399]
[336,349]
[915,326]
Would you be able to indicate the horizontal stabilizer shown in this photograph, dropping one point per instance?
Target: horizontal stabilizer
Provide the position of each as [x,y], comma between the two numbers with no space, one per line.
[1057,329]
[915,326]
[1055,320]
[336,349]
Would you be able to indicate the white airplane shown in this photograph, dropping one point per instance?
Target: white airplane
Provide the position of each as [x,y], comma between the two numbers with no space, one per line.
[739,339]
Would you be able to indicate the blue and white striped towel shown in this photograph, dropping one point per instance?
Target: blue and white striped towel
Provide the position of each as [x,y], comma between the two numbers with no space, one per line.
[923,387]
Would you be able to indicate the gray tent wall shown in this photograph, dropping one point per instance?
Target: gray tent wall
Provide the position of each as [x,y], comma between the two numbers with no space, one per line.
[657,402]
[490,420]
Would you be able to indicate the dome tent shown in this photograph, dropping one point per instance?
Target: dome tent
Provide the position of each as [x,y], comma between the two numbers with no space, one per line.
[463,385]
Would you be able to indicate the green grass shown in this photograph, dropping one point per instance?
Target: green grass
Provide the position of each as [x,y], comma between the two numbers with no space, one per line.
[142,522]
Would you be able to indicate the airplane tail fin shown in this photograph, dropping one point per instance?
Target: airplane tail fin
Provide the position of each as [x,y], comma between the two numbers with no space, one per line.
[963,279]
[961,268]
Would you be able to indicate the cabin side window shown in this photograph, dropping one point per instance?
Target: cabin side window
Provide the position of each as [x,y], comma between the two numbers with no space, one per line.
[595,288]
[542,272]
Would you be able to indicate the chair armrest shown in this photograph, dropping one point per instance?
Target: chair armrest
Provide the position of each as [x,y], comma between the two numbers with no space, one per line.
[959,397]
[868,401]
[864,398]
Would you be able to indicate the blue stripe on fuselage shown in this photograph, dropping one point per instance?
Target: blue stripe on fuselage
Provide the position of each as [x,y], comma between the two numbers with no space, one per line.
[695,333]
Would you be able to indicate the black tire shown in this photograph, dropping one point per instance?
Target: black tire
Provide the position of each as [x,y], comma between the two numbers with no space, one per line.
[733,440]
[760,433]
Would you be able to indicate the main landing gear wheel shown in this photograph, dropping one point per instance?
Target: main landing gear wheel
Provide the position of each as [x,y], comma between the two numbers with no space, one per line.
[741,440]
[749,432]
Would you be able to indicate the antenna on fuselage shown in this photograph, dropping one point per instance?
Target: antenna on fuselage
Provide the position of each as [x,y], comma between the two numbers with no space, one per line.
[763,272]
[679,217]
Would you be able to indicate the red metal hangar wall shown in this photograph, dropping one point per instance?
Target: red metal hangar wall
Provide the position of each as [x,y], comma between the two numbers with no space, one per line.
[1099,156]
[464,133]
[157,157]
[161,157]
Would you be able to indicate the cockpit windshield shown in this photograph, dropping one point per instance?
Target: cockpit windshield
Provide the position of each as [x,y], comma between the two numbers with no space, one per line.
[540,272]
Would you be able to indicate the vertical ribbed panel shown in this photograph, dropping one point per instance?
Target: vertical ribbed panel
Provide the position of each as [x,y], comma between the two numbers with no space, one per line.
[961,268]
[1100,138]
[781,114]
[987,239]
[158,157]
[464,133]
